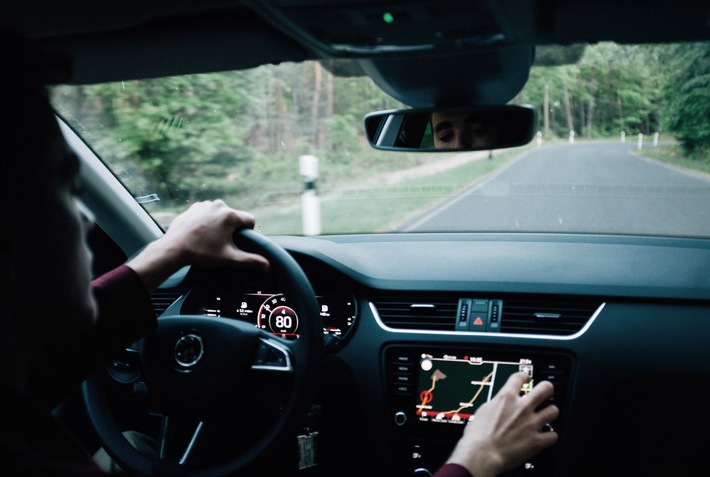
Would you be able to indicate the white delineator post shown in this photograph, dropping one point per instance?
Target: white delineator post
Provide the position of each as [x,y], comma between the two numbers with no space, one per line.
[639,145]
[310,203]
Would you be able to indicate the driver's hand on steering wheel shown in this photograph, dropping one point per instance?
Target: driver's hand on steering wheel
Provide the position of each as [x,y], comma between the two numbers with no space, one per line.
[203,234]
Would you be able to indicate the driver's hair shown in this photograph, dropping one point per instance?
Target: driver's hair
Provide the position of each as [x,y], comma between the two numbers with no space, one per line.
[24,102]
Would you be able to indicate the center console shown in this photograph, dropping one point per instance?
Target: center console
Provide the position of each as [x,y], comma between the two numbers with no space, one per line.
[435,391]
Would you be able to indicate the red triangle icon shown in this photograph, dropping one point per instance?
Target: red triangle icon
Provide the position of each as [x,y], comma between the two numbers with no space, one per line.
[478,321]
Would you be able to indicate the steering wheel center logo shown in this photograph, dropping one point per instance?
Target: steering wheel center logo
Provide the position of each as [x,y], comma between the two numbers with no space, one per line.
[189,350]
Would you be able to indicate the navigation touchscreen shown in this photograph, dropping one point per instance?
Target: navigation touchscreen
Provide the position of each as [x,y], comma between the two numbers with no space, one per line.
[452,387]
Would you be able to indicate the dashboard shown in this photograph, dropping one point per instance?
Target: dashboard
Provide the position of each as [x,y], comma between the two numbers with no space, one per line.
[617,323]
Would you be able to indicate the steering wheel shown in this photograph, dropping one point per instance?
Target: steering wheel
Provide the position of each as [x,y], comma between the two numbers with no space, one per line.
[192,364]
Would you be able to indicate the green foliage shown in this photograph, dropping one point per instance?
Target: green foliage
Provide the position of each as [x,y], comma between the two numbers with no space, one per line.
[612,88]
[171,132]
[344,133]
[687,96]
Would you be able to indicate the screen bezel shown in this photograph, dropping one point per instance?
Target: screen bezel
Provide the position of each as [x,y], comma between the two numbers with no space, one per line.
[556,366]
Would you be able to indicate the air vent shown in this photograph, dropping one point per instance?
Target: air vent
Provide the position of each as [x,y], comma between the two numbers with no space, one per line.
[418,312]
[162,299]
[539,315]
[549,316]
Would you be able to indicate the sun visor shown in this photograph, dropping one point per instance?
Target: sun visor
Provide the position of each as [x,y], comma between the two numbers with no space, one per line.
[487,76]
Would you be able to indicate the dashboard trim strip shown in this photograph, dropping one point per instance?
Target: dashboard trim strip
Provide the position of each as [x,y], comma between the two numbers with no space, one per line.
[576,335]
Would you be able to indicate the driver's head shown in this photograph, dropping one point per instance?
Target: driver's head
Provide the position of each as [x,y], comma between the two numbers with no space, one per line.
[460,130]
[44,261]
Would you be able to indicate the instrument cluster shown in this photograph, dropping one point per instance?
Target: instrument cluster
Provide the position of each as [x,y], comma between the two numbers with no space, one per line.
[269,310]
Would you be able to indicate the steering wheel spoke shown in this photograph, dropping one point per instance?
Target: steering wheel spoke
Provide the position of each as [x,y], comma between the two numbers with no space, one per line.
[272,355]
[176,442]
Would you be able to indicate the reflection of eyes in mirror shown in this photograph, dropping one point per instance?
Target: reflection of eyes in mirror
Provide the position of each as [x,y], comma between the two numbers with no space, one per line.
[461,131]
[473,128]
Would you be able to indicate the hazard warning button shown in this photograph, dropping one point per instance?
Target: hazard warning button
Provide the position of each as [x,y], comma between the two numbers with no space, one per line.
[478,321]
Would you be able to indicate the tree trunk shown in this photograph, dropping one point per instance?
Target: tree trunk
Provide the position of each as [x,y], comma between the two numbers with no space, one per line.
[568,110]
[590,118]
[277,121]
[546,112]
[324,136]
[315,106]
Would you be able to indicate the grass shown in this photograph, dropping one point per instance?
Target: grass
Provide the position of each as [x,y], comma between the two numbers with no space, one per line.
[672,154]
[371,205]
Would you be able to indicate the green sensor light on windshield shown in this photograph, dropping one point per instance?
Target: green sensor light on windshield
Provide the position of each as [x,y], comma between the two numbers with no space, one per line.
[388,17]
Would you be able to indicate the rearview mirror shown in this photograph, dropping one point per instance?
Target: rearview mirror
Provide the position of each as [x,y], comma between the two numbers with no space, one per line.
[460,129]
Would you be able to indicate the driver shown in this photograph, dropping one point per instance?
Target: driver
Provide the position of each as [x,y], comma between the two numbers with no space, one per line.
[59,325]
[462,130]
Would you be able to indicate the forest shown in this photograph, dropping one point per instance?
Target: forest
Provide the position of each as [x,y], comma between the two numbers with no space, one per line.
[255,122]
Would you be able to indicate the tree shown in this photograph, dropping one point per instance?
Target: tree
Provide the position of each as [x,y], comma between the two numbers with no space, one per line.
[611,89]
[687,96]
[168,129]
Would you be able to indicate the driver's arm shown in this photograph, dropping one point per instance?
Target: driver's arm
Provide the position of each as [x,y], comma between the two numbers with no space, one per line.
[125,313]
[203,234]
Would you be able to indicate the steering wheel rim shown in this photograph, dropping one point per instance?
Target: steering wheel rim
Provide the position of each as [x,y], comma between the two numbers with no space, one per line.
[304,354]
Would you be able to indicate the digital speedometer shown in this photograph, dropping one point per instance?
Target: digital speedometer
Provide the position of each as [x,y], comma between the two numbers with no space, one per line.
[277,317]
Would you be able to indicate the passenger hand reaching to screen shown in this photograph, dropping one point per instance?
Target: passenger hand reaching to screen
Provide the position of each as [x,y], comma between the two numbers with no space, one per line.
[507,430]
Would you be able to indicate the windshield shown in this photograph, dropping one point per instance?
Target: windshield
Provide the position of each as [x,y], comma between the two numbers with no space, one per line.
[621,147]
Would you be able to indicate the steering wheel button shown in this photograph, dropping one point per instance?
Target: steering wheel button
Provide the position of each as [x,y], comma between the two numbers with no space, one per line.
[275,357]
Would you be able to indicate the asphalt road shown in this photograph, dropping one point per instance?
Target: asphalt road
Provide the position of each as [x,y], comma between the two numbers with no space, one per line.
[582,187]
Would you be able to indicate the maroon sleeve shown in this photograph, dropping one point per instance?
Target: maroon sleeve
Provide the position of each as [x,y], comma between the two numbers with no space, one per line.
[125,314]
[452,470]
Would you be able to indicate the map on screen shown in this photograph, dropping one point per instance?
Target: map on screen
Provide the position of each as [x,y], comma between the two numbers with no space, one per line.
[451,388]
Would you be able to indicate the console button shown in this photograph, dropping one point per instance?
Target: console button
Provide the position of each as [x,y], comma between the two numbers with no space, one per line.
[403,379]
[400,418]
[479,306]
[402,367]
[554,378]
[478,321]
[463,310]
[403,388]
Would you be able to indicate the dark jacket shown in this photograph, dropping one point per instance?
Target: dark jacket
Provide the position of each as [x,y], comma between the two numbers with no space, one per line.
[32,442]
